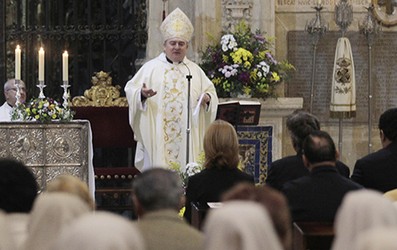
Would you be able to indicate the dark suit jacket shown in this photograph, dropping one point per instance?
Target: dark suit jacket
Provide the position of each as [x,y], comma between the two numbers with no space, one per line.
[290,168]
[210,184]
[378,170]
[317,197]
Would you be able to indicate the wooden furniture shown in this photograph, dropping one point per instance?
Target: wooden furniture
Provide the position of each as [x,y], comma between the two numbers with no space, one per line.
[49,149]
[113,142]
[199,212]
[312,235]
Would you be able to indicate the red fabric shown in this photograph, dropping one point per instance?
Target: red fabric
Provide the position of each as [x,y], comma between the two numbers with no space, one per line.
[110,126]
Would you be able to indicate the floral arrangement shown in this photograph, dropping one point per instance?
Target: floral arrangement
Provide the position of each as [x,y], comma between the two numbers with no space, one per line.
[190,169]
[43,110]
[242,64]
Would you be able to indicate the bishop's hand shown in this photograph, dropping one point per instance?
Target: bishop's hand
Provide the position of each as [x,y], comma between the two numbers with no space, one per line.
[147,92]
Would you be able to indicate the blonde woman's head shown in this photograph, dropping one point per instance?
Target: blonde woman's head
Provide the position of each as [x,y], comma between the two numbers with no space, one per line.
[73,185]
[221,146]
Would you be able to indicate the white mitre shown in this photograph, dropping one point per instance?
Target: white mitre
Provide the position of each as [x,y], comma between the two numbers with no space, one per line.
[177,25]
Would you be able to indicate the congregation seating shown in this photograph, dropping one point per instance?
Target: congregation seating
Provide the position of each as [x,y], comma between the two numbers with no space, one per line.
[113,143]
[312,235]
[199,211]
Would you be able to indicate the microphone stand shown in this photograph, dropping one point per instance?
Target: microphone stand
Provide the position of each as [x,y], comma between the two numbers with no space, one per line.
[188,77]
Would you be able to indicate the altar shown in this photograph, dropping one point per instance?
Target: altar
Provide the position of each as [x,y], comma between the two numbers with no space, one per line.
[50,149]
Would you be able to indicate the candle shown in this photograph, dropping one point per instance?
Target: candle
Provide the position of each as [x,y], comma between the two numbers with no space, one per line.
[318,2]
[65,72]
[18,63]
[41,64]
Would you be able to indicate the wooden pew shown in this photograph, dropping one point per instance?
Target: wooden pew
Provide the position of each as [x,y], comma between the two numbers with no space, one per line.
[312,235]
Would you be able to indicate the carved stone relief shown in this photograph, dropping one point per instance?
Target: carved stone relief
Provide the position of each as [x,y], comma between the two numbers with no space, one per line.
[235,11]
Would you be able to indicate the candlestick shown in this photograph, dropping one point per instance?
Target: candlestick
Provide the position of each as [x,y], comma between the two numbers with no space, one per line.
[18,63]
[66,95]
[41,87]
[41,64]
[65,72]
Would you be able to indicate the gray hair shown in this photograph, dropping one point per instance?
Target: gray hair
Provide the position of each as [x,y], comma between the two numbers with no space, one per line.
[10,83]
[157,189]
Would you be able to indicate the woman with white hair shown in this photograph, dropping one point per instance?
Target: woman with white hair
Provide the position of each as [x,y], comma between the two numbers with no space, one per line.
[100,231]
[240,225]
[361,211]
[50,213]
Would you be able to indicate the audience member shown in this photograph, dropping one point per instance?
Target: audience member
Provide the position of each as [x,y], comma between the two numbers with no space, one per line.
[240,225]
[275,203]
[300,124]
[18,190]
[316,197]
[377,239]
[379,170]
[158,196]
[6,238]
[361,211]
[50,213]
[99,231]
[221,171]
[391,195]
[10,92]
[73,185]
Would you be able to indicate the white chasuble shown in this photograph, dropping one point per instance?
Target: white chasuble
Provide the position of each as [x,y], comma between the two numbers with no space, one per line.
[159,123]
[343,92]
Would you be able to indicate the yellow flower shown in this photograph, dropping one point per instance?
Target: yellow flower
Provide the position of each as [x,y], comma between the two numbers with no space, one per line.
[216,81]
[247,90]
[261,55]
[182,212]
[275,77]
[241,54]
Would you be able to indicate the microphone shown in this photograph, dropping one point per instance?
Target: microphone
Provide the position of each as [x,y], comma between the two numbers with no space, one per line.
[189,76]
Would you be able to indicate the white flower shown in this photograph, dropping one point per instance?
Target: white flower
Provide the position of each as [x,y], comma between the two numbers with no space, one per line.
[192,168]
[228,42]
[264,67]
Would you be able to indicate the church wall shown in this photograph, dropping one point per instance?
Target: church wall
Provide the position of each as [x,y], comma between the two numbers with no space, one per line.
[292,16]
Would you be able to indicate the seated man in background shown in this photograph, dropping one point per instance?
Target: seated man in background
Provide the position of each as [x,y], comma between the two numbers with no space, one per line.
[317,197]
[18,191]
[379,170]
[158,196]
[299,124]
[10,92]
